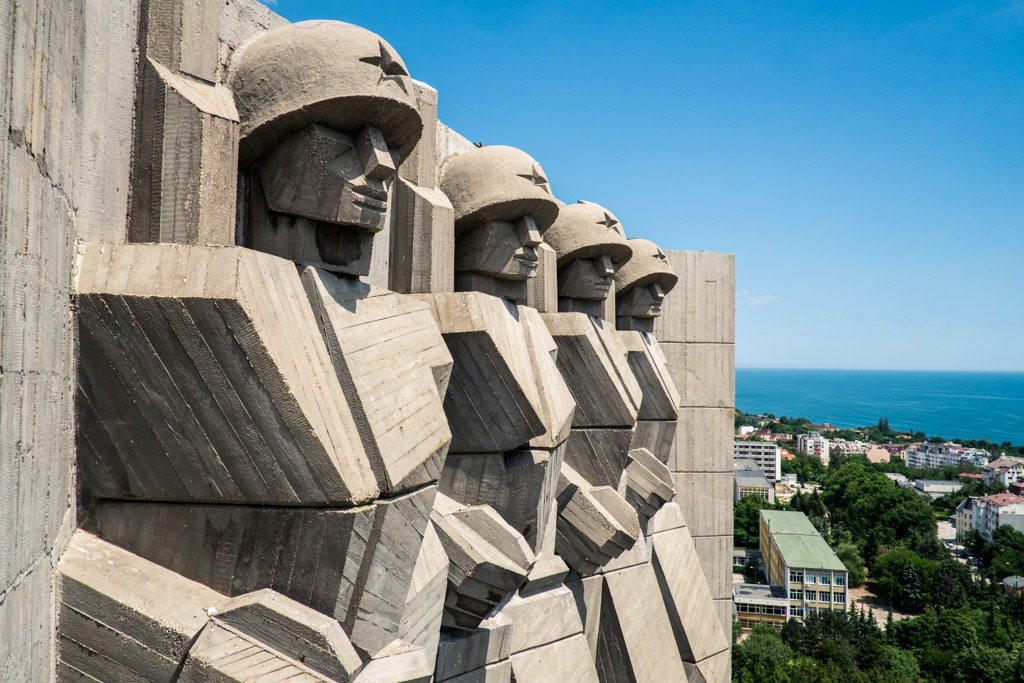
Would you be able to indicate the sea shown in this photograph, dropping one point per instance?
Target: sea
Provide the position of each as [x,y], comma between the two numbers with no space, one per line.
[954,405]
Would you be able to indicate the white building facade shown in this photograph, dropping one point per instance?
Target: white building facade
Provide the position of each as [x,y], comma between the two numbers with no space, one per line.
[765,454]
[814,444]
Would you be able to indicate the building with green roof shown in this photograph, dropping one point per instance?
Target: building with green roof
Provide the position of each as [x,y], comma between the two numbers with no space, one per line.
[799,560]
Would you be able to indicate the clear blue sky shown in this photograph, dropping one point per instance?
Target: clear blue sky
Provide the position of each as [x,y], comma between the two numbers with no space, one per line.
[863,160]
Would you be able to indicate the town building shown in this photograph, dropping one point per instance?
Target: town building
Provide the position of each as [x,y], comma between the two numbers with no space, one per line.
[878,455]
[936,488]
[999,509]
[814,444]
[933,456]
[898,479]
[797,559]
[1006,471]
[749,481]
[765,454]
[759,604]
[964,518]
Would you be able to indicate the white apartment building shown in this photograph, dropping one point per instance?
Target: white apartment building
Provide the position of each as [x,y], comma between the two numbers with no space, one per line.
[765,454]
[991,512]
[932,456]
[1004,470]
[814,444]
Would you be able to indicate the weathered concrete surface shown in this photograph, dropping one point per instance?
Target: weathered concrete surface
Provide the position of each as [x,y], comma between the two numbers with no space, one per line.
[696,332]
[44,60]
[123,618]
[367,584]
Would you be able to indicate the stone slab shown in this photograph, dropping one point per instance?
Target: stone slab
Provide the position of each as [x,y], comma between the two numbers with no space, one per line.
[636,640]
[687,597]
[563,660]
[706,501]
[703,441]
[461,651]
[702,306]
[704,373]
[715,553]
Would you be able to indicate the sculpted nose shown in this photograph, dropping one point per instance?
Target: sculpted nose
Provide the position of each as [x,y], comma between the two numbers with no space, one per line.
[657,293]
[528,232]
[374,155]
[605,267]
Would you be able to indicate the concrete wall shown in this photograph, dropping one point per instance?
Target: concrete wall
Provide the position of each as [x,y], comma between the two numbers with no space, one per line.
[697,332]
[42,46]
[68,74]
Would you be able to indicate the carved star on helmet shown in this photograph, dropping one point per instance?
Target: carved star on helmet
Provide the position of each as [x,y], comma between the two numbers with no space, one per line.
[535,177]
[609,222]
[389,66]
[661,255]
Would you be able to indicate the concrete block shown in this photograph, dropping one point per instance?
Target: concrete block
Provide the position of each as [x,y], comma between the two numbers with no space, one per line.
[703,441]
[563,660]
[541,617]
[669,517]
[184,158]
[123,616]
[556,404]
[595,524]
[593,363]
[225,654]
[365,585]
[646,484]
[657,436]
[549,570]
[462,651]
[521,485]
[702,306]
[492,402]
[400,662]
[715,553]
[588,591]
[488,560]
[500,672]
[599,454]
[542,289]
[706,501]
[394,366]
[724,608]
[424,603]
[640,553]
[650,368]
[636,641]
[687,598]
[705,374]
[422,239]
[715,669]
[213,358]
[292,630]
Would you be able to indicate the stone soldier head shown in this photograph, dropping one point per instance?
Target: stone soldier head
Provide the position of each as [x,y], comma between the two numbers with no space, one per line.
[503,205]
[642,283]
[327,114]
[590,247]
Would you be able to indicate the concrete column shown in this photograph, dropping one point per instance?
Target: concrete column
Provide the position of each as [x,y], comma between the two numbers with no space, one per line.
[697,333]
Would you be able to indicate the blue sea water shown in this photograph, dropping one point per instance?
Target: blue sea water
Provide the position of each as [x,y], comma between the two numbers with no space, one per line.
[964,405]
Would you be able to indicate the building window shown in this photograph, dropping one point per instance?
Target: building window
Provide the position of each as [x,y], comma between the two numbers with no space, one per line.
[796,595]
[840,580]
[839,597]
[796,612]
[796,577]
[825,580]
[812,596]
[810,577]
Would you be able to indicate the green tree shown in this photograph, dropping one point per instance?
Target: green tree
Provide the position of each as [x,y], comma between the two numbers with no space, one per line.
[746,519]
[761,656]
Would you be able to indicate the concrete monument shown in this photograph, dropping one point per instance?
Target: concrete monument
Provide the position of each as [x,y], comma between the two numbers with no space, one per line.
[338,395]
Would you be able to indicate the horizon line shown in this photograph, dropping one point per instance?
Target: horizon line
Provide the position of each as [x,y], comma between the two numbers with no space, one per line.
[834,369]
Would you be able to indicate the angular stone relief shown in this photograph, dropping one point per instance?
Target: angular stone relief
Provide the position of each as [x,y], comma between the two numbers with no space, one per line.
[359,400]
